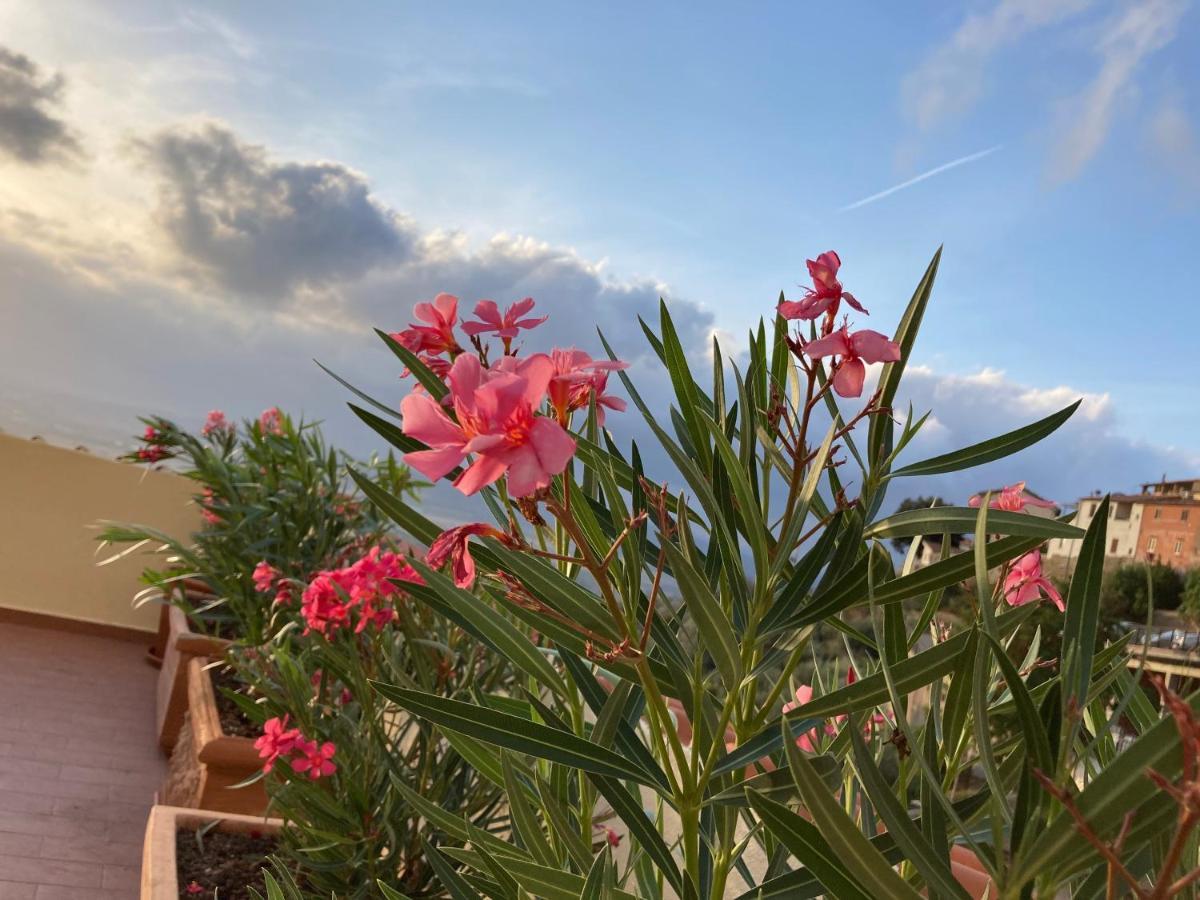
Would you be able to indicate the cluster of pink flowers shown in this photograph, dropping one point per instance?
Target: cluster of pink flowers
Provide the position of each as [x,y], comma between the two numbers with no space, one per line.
[1024,582]
[852,349]
[271,421]
[498,417]
[155,449]
[216,424]
[307,756]
[355,595]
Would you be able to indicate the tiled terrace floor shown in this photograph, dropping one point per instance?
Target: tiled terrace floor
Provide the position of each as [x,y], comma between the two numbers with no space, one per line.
[79,764]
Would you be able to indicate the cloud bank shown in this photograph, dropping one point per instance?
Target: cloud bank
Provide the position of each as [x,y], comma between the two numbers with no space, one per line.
[233,269]
[30,129]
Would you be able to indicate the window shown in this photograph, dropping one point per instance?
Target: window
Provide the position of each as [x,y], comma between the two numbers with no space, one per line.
[1112,548]
[1184,515]
[1158,512]
[1152,544]
[1178,546]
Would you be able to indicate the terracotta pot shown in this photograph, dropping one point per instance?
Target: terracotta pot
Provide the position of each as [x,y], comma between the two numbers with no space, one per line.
[160,879]
[970,873]
[207,763]
[180,645]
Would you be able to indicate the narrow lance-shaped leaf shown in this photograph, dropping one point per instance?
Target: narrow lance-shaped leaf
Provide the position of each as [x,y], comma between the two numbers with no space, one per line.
[917,849]
[868,867]
[805,842]
[940,519]
[1082,618]
[513,733]
[879,434]
[989,450]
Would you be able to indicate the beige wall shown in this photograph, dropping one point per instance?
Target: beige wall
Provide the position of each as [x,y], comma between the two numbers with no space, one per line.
[50,501]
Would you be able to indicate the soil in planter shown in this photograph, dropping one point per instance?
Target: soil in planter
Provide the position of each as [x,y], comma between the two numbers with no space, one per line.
[233,722]
[222,864]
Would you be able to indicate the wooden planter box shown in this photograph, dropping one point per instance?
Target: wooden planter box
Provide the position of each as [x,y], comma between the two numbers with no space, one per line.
[207,763]
[160,879]
[181,644]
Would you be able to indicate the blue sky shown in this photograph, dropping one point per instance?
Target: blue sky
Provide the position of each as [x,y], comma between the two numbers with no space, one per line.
[692,150]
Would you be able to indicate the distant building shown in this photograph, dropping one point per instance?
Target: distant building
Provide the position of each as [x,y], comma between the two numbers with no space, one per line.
[931,549]
[1161,524]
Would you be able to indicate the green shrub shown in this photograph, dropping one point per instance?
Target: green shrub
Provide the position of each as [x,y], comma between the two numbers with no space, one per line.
[1126,591]
[1189,605]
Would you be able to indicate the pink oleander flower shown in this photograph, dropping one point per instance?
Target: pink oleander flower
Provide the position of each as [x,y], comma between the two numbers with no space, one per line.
[826,293]
[507,326]
[151,435]
[497,422]
[853,351]
[276,740]
[271,421]
[316,760]
[216,422]
[1025,583]
[194,887]
[576,378]
[1011,499]
[265,576]
[452,545]
[283,596]
[437,336]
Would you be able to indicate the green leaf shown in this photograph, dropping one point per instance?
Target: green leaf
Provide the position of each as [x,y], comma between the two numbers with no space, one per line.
[1114,791]
[743,491]
[450,879]
[879,434]
[366,398]
[396,509]
[593,887]
[910,674]
[989,450]
[805,842]
[940,519]
[489,626]
[525,822]
[851,589]
[858,856]
[917,850]
[1082,618]
[685,386]
[425,375]
[390,893]
[387,430]
[715,628]
[1032,730]
[625,738]
[628,807]
[980,689]
[513,733]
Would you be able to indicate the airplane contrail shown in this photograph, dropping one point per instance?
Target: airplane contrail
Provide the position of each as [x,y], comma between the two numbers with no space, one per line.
[945,167]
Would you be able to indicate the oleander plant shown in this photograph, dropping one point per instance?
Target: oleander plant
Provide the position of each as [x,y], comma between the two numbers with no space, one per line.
[657,739]
[270,491]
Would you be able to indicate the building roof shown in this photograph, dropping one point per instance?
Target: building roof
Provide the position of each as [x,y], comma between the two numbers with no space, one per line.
[1148,498]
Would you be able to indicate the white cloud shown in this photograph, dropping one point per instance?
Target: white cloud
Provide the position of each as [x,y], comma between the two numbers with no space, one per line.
[1140,30]
[1089,452]
[1176,142]
[951,79]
